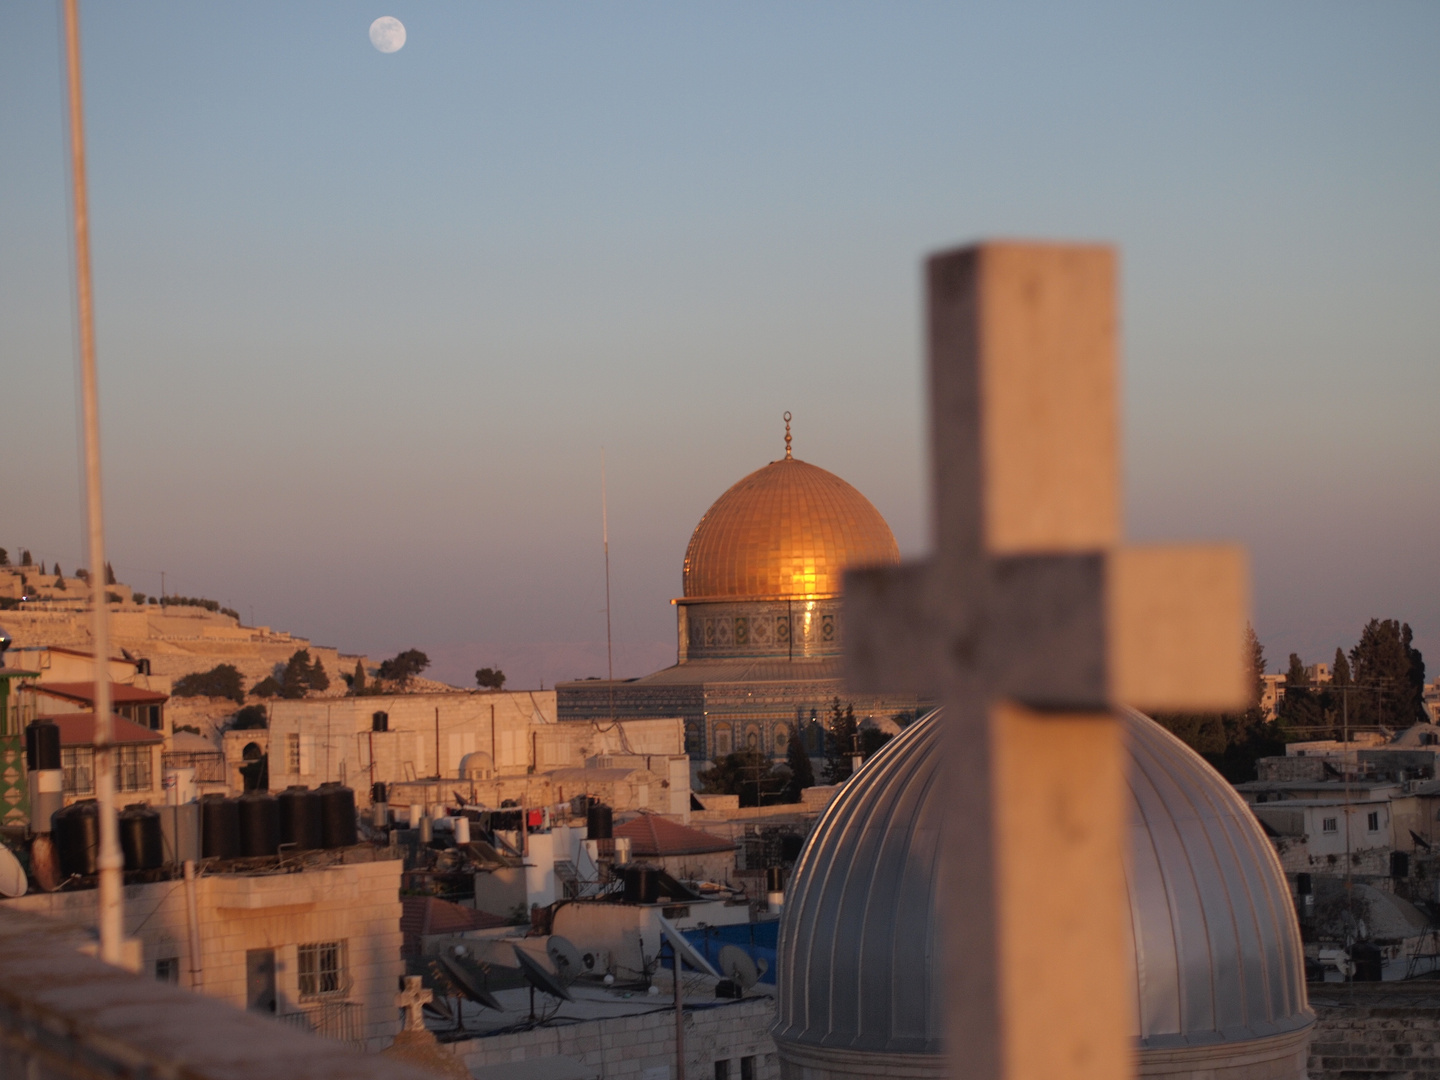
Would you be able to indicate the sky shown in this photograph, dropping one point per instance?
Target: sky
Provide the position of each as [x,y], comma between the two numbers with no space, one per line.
[366,322]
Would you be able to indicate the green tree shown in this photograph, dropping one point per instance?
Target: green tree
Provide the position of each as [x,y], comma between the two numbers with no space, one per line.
[357,681]
[403,667]
[109,573]
[250,718]
[295,679]
[267,687]
[1389,673]
[80,572]
[802,770]
[60,579]
[319,680]
[4,557]
[747,774]
[221,681]
[841,740]
[872,739]
[25,559]
[490,678]
[1233,742]
[1301,710]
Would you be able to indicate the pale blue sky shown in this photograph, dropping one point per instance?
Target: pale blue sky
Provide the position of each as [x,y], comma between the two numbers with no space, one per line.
[365,321]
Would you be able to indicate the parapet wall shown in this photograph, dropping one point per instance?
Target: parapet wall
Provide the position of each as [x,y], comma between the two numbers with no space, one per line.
[1389,1030]
[67,1016]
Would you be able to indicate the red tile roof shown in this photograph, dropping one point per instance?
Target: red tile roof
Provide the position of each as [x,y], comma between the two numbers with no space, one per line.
[120,694]
[78,729]
[651,834]
[430,915]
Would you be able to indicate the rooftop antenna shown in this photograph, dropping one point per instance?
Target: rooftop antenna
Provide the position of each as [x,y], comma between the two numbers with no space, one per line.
[110,861]
[605,540]
[788,455]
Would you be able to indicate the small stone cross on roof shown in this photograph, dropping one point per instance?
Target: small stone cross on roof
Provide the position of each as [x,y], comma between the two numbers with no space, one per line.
[413,1000]
[1031,623]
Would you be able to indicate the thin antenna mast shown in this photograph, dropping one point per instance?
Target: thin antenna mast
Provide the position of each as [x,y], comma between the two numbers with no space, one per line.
[110,861]
[605,540]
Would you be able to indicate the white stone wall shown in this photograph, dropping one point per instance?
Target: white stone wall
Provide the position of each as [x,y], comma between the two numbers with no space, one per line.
[643,1047]
[356,903]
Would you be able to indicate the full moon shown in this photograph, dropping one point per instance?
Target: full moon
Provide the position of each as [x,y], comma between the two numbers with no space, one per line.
[387,34]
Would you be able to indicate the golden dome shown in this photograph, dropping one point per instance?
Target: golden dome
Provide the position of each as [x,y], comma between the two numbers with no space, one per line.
[785,531]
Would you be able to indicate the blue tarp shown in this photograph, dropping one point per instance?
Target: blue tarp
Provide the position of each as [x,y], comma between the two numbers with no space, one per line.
[758,939]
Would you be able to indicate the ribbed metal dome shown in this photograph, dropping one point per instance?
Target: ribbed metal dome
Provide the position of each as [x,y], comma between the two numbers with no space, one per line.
[787,531]
[1217,952]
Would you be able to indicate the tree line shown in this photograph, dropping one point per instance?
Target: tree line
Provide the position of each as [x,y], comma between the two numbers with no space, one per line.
[1379,683]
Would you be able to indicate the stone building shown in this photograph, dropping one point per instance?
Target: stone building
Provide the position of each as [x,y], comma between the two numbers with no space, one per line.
[491,746]
[318,948]
[759,623]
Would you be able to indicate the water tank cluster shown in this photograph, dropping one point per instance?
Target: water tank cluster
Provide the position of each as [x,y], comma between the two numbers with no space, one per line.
[253,825]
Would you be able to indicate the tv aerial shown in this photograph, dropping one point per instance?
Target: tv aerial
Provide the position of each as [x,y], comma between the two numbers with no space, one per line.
[738,966]
[566,958]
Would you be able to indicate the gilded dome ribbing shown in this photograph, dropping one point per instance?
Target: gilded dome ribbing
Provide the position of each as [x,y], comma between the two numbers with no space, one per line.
[786,531]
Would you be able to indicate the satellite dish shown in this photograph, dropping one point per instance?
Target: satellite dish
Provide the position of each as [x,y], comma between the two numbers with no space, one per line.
[12,874]
[536,975]
[738,967]
[566,958]
[684,949]
[467,984]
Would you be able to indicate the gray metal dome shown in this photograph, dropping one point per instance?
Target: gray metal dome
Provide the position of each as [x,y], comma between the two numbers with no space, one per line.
[1217,952]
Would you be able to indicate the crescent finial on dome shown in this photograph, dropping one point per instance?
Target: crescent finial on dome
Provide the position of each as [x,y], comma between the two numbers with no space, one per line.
[788,455]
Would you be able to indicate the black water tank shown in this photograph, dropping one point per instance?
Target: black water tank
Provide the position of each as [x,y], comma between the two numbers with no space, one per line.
[140,838]
[300,820]
[219,827]
[259,824]
[77,837]
[42,745]
[379,792]
[599,823]
[774,879]
[642,884]
[337,815]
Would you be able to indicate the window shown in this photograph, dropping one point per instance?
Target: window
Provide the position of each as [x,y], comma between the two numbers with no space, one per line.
[292,754]
[78,764]
[747,1068]
[1327,824]
[722,1069]
[322,969]
[167,969]
[722,740]
[1373,821]
[132,768]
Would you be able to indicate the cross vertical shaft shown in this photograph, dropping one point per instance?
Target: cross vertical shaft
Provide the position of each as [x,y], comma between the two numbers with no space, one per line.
[1030,622]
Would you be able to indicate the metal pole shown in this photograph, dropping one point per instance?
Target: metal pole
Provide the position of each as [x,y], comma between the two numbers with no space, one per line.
[110,861]
[605,540]
[192,915]
[679,1017]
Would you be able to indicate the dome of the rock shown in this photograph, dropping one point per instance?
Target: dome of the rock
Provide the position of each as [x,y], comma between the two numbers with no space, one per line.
[785,532]
[1217,986]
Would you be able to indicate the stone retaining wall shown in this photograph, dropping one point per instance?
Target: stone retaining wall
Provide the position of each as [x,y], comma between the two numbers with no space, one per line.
[1376,1031]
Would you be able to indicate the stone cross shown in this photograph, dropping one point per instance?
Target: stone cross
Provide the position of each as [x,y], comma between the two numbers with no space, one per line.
[413,1000]
[1031,622]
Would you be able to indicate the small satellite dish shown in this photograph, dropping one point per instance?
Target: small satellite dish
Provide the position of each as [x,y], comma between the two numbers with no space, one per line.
[684,949]
[566,958]
[536,975]
[12,874]
[737,966]
[467,984]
